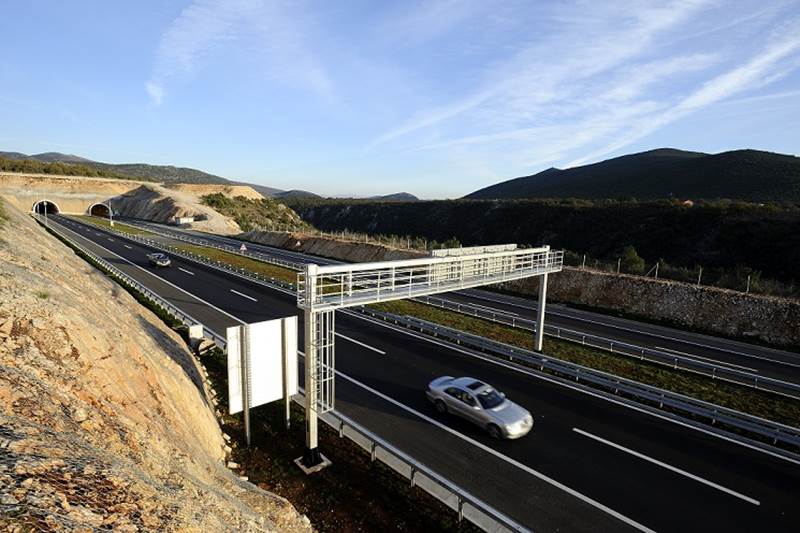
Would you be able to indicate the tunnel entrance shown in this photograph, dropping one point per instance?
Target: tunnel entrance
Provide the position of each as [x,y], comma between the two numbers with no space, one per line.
[46,207]
[100,210]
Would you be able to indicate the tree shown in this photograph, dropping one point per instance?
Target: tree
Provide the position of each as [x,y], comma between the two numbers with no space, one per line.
[631,262]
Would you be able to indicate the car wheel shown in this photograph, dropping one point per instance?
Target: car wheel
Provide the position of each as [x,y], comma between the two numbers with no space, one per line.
[494,431]
[440,406]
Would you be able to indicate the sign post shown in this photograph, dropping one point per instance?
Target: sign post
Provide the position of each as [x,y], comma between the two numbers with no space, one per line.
[262,365]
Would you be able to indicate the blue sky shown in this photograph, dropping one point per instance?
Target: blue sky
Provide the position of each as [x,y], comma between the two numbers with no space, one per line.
[437,98]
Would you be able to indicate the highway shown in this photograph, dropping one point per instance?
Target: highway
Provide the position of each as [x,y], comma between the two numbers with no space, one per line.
[761,360]
[590,464]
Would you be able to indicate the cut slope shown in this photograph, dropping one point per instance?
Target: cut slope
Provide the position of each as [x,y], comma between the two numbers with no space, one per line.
[104,421]
[742,174]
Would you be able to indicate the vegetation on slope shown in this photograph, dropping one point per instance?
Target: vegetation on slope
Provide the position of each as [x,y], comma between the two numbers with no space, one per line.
[750,175]
[721,236]
[255,215]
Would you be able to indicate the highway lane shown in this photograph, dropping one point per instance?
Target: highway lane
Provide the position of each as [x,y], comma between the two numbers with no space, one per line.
[770,362]
[645,491]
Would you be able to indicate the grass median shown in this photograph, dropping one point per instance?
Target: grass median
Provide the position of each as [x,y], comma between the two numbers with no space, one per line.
[105,224]
[745,399]
[239,261]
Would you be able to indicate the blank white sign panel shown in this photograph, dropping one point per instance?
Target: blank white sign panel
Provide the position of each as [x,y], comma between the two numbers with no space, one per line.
[265,343]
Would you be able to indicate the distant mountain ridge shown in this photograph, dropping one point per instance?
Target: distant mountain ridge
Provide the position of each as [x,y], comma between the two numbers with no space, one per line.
[171,174]
[751,175]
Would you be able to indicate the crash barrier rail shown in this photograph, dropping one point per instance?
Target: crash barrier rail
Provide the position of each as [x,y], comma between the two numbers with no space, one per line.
[208,243]
[718,370]
[132,283]
[198,258]
[465,504]
[715,414]
[713,370]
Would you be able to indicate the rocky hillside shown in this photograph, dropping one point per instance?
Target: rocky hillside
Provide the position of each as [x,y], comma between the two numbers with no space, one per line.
[104,420]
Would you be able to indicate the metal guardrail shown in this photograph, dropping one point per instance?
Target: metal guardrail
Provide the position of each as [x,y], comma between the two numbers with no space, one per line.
[131,282]
[208,243]
[675,361]
[642,393]
[715,414]
[465,504]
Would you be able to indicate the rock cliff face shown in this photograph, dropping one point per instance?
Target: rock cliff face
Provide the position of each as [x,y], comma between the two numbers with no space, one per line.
[718,311]
[104,420]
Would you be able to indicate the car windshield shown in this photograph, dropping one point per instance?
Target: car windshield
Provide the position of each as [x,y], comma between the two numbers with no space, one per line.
[490,398]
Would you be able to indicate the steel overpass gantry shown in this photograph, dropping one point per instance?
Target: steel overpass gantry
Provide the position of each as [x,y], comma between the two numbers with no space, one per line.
[321,290]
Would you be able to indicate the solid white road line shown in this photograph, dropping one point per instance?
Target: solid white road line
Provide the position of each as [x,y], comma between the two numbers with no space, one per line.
[243,295]
[367,346]
[162,280]
[668,467]
[562,383]
[505,458]
[187,271]
[715,361]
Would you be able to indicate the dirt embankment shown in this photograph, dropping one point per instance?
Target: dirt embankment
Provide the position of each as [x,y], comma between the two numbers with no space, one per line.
[160,204]
[352,252]
[104,419]
[231,191]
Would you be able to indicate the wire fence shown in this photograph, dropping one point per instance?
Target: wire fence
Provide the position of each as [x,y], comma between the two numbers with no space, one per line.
[740,278]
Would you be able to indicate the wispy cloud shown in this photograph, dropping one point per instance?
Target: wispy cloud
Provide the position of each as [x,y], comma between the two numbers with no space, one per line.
[587,42]
[603,77]
[271,30]
[757,72]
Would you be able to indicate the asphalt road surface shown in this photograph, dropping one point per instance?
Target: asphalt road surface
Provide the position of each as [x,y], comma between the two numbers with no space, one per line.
[589,464]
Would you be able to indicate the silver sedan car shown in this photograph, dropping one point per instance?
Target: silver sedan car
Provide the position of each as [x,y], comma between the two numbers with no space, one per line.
[159,260]
[480,404]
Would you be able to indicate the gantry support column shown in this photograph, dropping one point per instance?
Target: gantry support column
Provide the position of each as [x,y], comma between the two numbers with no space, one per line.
[311,455]
[539,335]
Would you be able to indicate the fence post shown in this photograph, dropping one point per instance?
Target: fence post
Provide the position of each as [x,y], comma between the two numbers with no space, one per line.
[583,264]
[619,263]
[699,276]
